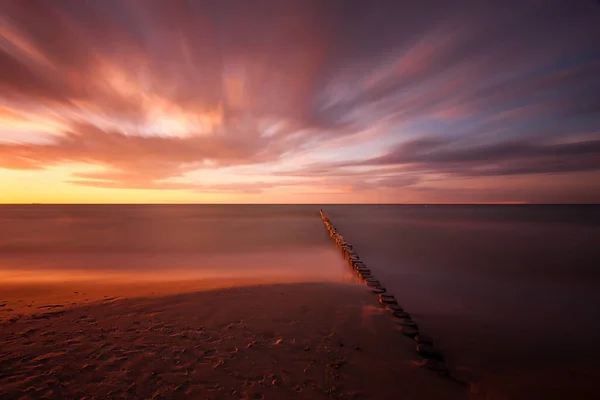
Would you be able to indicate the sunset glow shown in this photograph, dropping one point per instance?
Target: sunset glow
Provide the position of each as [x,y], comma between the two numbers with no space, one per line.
[299,102]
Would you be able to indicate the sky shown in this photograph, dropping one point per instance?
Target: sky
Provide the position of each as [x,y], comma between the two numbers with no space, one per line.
[302,101]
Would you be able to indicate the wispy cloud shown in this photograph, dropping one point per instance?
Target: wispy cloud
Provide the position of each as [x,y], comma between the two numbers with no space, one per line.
[363,97]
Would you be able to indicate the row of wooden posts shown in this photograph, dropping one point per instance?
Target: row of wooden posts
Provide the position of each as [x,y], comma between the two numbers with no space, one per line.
[433,358]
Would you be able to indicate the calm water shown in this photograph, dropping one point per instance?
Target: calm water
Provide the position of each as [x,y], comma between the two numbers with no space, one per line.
[499,287]
[56,242]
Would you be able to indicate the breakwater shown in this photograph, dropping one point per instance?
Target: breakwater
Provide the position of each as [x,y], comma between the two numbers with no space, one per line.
[432,357]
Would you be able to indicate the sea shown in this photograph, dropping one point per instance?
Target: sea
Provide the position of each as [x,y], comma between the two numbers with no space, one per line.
[508,292]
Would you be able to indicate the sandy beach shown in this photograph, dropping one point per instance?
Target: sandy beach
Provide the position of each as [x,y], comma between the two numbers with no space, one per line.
[296,341]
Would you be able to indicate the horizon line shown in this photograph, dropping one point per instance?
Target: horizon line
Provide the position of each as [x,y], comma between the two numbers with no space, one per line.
[306,204]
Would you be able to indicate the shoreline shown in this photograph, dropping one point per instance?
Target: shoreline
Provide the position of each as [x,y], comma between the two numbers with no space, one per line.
[293,340]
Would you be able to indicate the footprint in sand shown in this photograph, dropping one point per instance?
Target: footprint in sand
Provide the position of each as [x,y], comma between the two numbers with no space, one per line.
[46,315]
[51,306]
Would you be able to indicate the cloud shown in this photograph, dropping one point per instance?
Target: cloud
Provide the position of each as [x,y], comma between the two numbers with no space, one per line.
[505,158]
[133,158]
[364,96]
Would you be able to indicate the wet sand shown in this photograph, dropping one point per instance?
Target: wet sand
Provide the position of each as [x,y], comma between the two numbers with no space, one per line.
[295,340]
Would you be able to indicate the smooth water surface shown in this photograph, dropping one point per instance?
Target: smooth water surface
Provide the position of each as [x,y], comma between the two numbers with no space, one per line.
[500,288]
[164,242]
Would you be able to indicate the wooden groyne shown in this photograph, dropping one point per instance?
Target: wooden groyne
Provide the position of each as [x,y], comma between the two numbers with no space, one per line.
[432,357]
